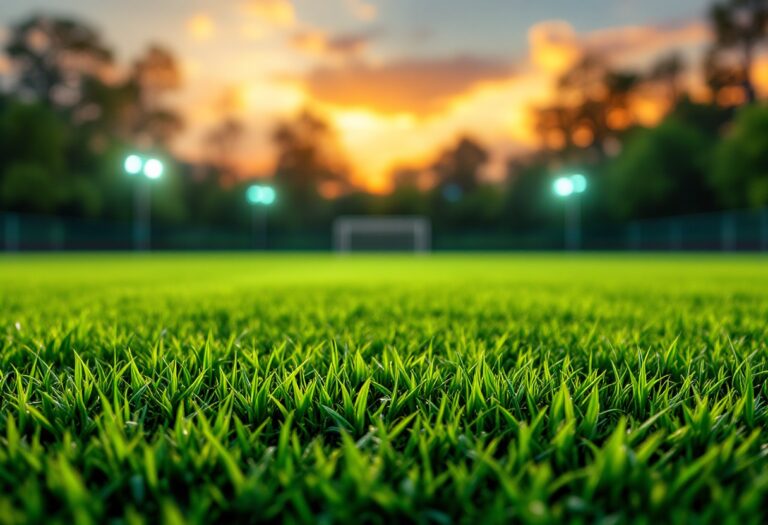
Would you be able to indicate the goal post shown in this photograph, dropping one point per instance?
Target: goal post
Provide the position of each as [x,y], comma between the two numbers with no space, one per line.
[394,233]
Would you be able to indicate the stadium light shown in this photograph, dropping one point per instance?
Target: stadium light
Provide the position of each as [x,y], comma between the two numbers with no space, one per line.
[268,195]
[152,169]
[260,197]
[579,183]
[133,164]
[257,194]
[570,188]
[563,186]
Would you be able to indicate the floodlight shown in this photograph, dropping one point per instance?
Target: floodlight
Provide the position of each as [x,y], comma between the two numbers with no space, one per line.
[268,195]
[254,194]
[153,169]
[563,186]
[133,164]
[579,183]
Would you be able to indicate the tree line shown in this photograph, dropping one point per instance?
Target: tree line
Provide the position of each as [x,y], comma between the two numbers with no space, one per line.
[71,114]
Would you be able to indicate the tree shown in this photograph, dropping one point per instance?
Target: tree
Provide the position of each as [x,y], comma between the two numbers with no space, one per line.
[667,71]
[32,157]
[155,74]
[594,106]
[222,142]
[620,87]
[581,94]
[54,56]
[527,199]
[309,164]
[661,171]
[741,26]
[460,165]
[307,154]
[723,80]
[27,187]
[740,167]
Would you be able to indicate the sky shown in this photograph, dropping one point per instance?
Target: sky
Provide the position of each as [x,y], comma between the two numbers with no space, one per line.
[397,79]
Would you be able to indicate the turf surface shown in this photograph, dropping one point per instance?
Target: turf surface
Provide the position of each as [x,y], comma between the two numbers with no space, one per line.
[445,389]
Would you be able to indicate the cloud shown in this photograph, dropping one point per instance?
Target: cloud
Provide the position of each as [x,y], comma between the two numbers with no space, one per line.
[191,69]
[254,31]
[416,86]
[321,44]
[362,10]
[279,13]
[555,45]
[201,27]
[647,40]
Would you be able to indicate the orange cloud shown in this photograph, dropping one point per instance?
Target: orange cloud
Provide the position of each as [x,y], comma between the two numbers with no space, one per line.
[554,46]
[201,27]
[362,10]
[646,40]
[418,87]
[279,13]
[320,44]
[253,31]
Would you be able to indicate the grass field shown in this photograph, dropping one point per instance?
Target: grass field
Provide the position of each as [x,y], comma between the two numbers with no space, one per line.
[446,389]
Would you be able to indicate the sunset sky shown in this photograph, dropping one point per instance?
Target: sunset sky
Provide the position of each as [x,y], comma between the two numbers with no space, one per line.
[398,79]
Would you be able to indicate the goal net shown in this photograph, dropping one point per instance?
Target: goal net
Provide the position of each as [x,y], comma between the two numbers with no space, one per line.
[402,233]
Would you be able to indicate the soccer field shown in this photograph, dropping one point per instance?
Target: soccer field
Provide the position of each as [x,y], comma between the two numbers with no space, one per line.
[436,389]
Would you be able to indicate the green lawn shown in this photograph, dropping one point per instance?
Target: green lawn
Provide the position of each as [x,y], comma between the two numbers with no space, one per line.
[444,389]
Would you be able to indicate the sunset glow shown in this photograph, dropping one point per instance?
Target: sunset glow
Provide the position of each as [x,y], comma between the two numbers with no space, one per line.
[397,87]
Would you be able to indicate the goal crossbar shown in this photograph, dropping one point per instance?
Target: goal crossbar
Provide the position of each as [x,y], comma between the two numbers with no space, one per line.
[345,227]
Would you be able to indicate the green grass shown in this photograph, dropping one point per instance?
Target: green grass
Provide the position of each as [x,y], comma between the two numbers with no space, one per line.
[446,389]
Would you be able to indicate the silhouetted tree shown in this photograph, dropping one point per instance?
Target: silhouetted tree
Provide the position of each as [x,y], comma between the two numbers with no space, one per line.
[460,165]
[740,168]
[593,106]
[33,158]
[221,143]
[527,193]
[307,156]
[309,163]
[740,26]
[661,171]
[668,71]
[155,74]
[53,57]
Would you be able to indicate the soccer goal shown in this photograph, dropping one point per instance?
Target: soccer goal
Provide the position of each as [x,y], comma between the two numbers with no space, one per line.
[401,233]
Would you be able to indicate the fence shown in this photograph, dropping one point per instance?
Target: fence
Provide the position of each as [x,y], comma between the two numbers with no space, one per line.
[740,230]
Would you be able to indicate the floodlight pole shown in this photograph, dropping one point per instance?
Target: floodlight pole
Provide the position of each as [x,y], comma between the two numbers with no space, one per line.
[570,188]
[259,215]
[145,170]
[260,197]
[142,218]
[573,222]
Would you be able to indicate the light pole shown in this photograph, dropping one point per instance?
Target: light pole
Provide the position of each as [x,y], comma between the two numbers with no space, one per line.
[152,169]
[570,188]
[260,197]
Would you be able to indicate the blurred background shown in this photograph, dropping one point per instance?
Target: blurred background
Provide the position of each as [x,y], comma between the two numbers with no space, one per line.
[488,125]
